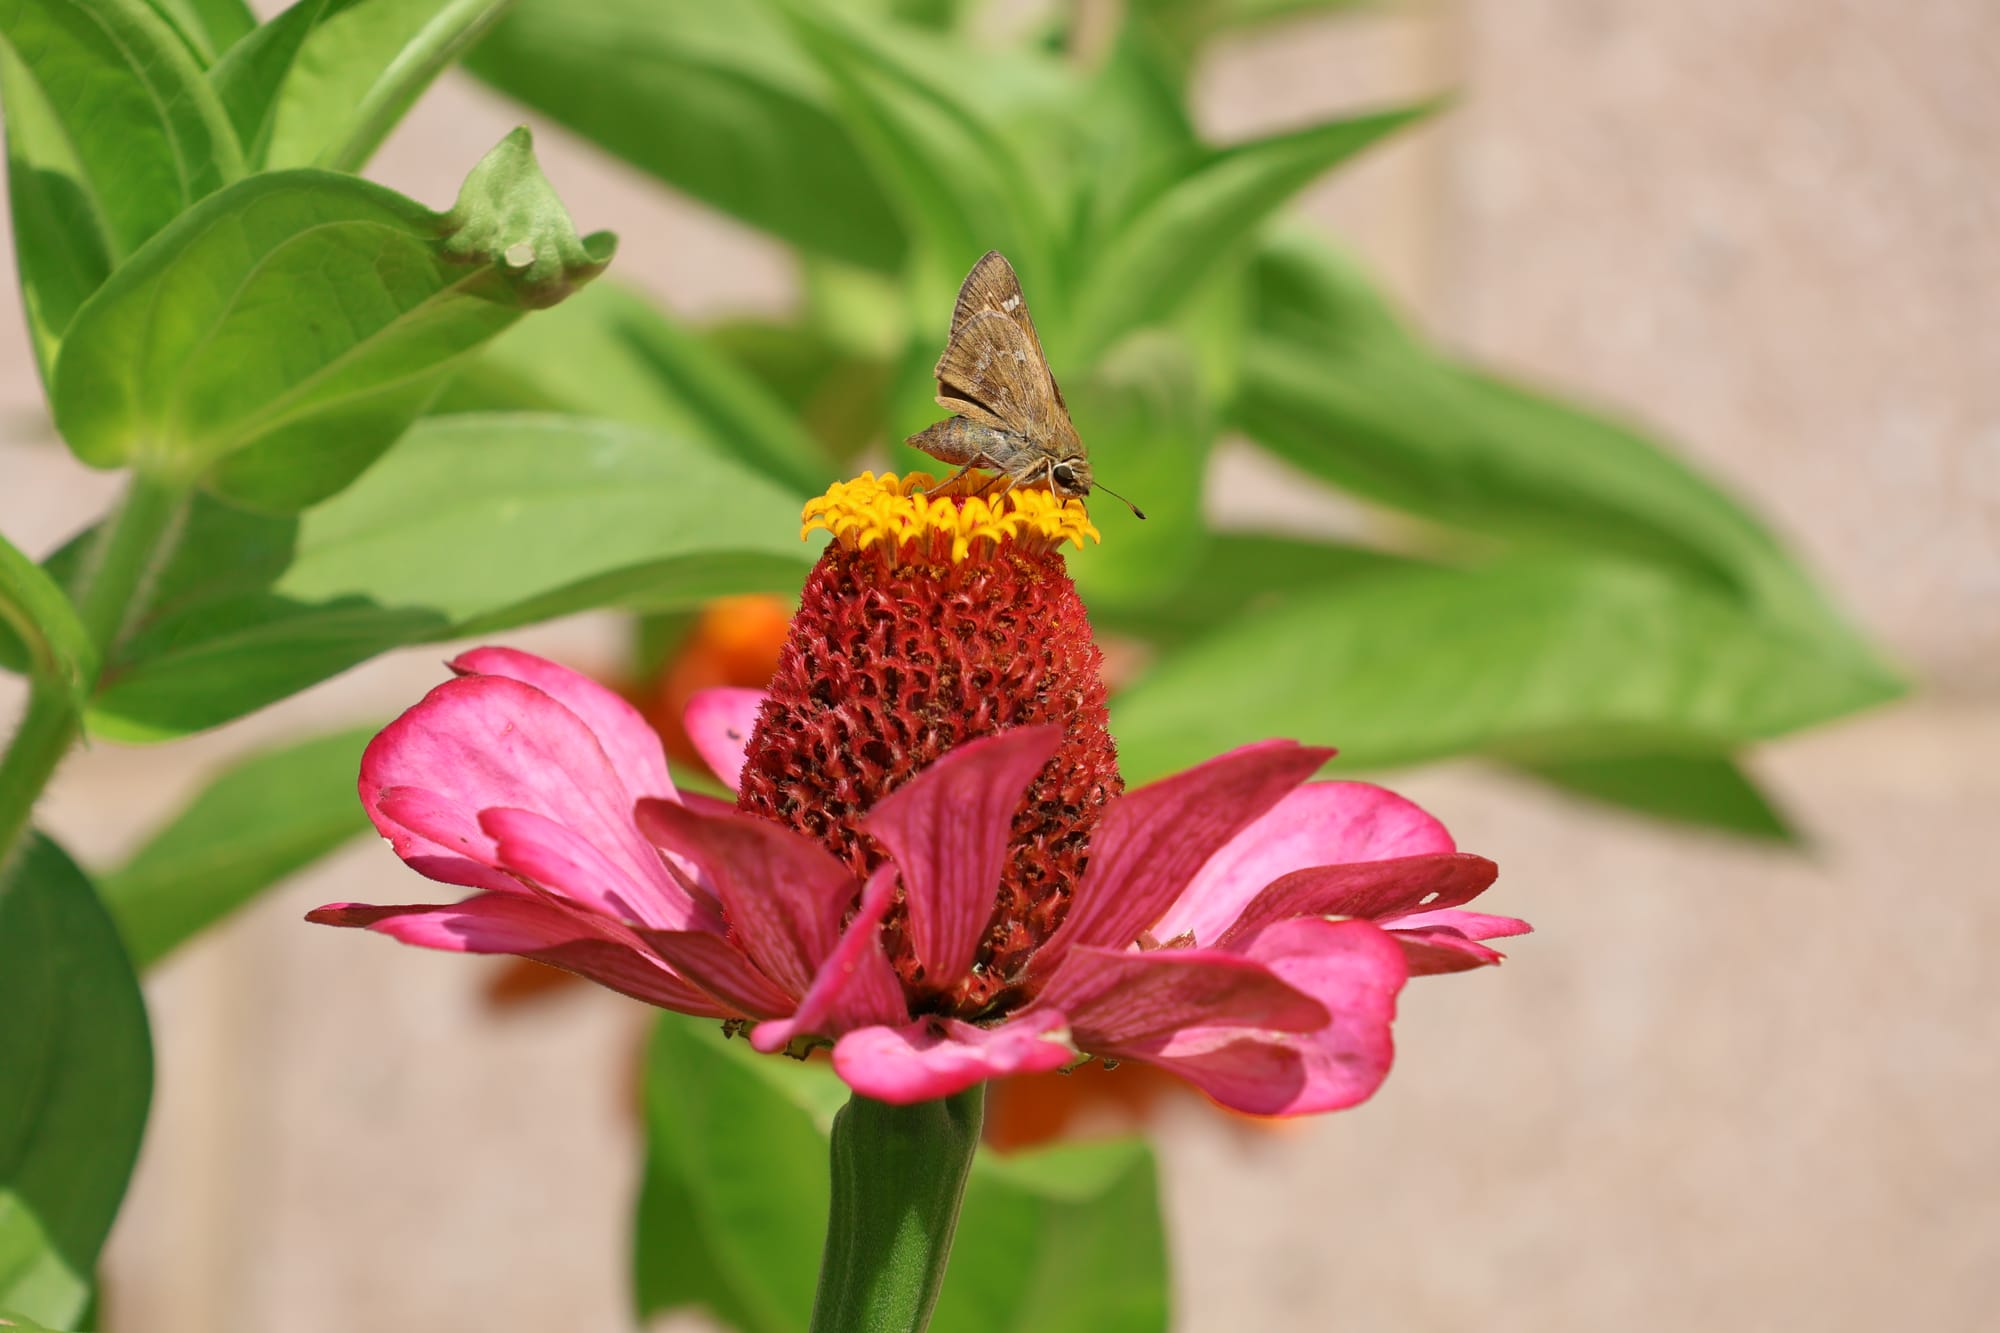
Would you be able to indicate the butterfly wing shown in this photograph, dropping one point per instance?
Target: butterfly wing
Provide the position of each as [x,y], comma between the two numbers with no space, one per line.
[992,373]
[993,286]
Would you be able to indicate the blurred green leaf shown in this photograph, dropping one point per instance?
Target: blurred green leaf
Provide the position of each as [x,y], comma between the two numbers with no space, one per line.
[111,133]
[361,70]
[839,396]
[1579,658]
[921,111]
[610,353]
[76,1067]
[1149,430]
[51,637]
[1132,124]
[470,524]
[1335,384]
[312,316]
[251,73]
[1064,1240]
[209,27]
[1208,217]
[1186,27]
[733,1207]
[714,99]
[10,1318]
[264,818]
[1709,791]
[1238,574]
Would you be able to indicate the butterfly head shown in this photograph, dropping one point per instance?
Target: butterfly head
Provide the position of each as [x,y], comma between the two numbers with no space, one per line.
[1071,478]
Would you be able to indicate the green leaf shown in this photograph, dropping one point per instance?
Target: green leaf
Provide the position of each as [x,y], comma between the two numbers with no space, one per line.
[266,817]
[1065,1240]
[1707,791]
[76,1064]
[1334,383]
[111,133]
[1149,430]
[249,76]
[714,99]
[1238,574]
[923,114]
[733,1208]
[209,27]
[1577,658]
[1209,217]
[361,70]
[283,332]
[1187,27]
[612,354]
[469,525]
[838,395]
[35,608]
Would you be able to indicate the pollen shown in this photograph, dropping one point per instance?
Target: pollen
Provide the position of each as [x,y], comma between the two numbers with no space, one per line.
[911,518]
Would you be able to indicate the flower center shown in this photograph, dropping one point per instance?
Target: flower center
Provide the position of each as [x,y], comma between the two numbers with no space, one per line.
[932,619]
[914,519]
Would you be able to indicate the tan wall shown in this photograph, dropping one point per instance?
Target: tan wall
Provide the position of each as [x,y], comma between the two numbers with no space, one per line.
[1723,1087]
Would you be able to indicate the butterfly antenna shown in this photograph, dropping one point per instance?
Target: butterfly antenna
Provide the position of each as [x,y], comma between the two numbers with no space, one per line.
[1136,511]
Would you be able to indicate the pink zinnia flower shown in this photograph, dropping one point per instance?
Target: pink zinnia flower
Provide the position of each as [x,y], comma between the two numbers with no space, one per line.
[932,864]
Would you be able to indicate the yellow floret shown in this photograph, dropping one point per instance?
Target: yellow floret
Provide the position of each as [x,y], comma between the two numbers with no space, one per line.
[871,509]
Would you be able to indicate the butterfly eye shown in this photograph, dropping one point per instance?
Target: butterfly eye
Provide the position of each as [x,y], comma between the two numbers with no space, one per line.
[1064,475]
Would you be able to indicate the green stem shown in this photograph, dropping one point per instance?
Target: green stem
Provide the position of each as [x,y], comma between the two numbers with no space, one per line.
[109,592]
[898,1176]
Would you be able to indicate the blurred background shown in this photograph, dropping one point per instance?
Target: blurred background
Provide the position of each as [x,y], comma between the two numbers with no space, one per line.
[1728,1082]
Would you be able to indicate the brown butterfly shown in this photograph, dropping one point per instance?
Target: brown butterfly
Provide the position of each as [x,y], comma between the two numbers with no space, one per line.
[1010,415]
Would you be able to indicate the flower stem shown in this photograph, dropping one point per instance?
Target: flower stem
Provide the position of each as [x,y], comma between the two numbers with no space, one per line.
[109,593]
[898,1176]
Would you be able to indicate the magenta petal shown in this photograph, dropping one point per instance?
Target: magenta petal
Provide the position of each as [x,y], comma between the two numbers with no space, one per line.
[1319,824]
[515,923]
[1379,891]
[553,856]
[719,722]
[936,1057]
[1472,925]
[1115,997]
[414,820]
[784,894]
[711,962]
[629,741]
[1152,841]
[947,829]
[1352,968]
[1436,950]
[480,742]
[856,986]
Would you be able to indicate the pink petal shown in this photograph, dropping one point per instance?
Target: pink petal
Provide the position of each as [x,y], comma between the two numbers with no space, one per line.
[1352,968]
[947,829]
[551,855]
[629,741]
[783,893]
[1472,925]
[480,742]
[1116,997]
[413,819]
[711,962]
[1435,951]
[856,986]
[1379,891]
[935,1057]
[514,923]
[1319,824]
[1152,841]
[719,722]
